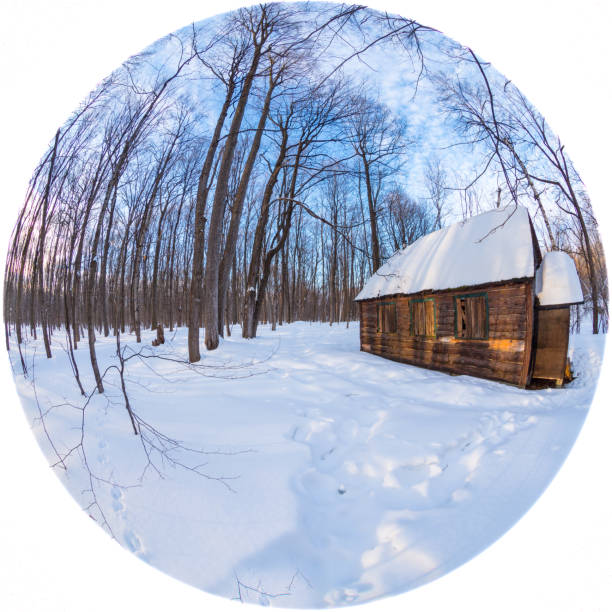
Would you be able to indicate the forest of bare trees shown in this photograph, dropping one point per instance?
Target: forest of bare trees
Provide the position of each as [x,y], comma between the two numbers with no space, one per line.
[238,173]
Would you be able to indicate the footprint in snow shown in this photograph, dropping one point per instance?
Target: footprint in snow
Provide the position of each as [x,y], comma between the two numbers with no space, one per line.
[133,542]
[343,596]
[101,457]
[117,496]
[130,538]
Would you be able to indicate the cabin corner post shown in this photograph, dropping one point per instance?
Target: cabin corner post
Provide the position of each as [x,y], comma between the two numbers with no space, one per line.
[360,304]
[529,334]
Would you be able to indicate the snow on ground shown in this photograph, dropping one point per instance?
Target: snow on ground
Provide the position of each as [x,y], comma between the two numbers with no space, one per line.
[344,476]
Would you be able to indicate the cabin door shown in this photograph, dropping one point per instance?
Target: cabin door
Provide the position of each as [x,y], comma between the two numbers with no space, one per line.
[551,344]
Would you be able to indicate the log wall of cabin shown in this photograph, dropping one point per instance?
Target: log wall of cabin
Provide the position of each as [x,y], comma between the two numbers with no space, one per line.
[504,355]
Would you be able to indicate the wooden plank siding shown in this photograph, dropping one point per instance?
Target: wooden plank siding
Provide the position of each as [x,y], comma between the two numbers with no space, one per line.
[504,355]
[552,339]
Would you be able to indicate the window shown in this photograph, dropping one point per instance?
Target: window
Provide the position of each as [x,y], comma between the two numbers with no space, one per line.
[472,316]
[423,317]
[386,317]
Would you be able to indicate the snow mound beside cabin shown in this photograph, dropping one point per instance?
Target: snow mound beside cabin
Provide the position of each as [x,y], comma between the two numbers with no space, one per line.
[557,281]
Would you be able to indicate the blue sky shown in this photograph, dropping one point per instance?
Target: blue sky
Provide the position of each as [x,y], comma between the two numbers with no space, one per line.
[391,75]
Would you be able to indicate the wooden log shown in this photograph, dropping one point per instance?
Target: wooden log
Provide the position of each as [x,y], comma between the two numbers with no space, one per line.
[500,356]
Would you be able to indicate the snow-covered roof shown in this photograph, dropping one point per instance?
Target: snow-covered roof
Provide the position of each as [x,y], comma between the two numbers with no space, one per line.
[490,247]
[557,280]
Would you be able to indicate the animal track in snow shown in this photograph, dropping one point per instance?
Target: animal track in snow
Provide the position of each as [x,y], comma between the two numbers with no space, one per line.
[133,542]
[130,537]
[117,496]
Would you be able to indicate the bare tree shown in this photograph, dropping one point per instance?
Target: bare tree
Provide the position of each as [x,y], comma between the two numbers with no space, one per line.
[379,141]
[519,140]
[437,188]
[229,77]
[259,23]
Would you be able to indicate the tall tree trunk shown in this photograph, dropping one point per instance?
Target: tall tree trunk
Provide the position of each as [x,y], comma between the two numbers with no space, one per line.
[195,293]
[90,301]
[333,266]
[172,294]
[41,248]
[279,239]
[590,266]
[249,310]
[376,262]
[210,302]
[238,203]
[103,294]
[154,279]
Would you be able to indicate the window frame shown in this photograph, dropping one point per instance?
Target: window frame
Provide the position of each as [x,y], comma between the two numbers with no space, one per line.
[435,317]
[483,294]
[379,305]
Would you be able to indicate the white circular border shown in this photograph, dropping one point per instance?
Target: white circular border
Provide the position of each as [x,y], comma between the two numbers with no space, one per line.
[558,557]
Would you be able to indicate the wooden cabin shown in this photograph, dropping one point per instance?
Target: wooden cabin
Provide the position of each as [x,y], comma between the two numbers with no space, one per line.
[474,298]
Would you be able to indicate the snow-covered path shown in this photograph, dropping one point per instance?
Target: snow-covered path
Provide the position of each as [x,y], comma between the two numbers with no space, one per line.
[351,476]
